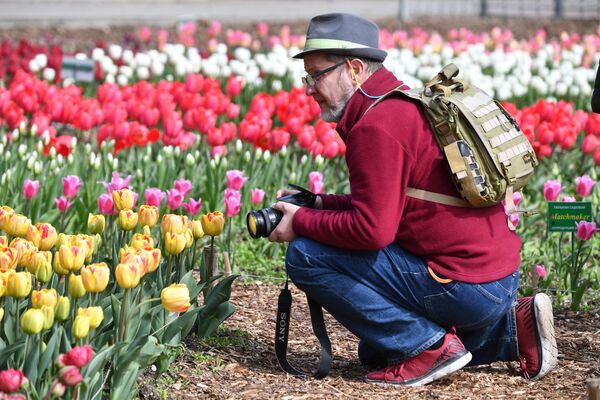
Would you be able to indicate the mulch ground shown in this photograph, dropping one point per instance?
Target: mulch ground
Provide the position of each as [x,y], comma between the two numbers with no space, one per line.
[241,364]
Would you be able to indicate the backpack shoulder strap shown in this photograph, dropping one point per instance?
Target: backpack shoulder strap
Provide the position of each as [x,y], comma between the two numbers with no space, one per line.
[413,94]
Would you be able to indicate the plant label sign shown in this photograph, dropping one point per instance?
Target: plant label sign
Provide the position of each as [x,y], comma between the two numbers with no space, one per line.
[562,216]
[77,69]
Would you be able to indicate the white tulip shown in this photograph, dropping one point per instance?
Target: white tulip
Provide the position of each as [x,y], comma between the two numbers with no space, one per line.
[158,68]
[115,164]
[319,160]
[34,66]
[115,51]
[190,161]
[276,85]
[266,155]
[122,80]
[42,60]
[143,73]
[30,164]
[97,54]
[48,74]
[110,78]
[37,167]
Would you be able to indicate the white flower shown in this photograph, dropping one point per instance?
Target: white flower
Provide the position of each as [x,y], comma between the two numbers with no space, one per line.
[115,51]
[122,80]
[34,66]
[158,68]
[276,85]
[97,54]
[143,73]
[561,89]
[110,78]
[49,74]
[128,56]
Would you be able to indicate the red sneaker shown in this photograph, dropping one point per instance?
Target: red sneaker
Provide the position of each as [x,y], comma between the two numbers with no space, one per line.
[426,366]
[535,336]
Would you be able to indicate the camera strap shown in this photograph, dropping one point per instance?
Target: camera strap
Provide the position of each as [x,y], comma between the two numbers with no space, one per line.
[282,329]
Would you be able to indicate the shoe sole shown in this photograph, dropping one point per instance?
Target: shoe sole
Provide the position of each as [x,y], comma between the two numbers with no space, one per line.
[437,373]
[544,317]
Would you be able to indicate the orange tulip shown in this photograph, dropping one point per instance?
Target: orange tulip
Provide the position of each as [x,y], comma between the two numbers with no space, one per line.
[213,223]
[140,241]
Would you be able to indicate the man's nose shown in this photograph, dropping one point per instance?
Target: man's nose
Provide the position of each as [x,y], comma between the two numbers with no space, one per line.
[310,90]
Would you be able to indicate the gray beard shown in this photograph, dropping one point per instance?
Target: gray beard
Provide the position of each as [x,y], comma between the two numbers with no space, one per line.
[335,112]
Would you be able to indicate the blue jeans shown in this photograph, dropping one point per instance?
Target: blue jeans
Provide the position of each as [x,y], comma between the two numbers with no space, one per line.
[389,300]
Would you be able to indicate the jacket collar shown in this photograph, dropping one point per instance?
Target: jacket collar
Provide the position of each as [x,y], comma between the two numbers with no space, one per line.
[377,84]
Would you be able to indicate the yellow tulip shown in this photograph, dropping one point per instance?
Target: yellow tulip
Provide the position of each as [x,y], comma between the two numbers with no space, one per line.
[8,258]
[87,242]
[213,223]
[76,288]
[5,212]
[189,238]
[63,306]
[154,260]
[81,326]
[174,223]
[48,317]
[123,199]
[175,298]
[197,230]
[72,257]
[140,241]
[148,215]
[43,266]
[3,241]
[48,237]
[44,297]
[17,225]
[96,223]
[25,248]
[127,220]
[1,314]
[95,314]
[32,321]
[19,284]
[4,282]
[95,277]
[37,259]
[174,243]
[58,267]
[34,235]
[128,275]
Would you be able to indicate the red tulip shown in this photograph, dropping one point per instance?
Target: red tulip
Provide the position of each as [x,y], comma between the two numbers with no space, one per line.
[11,380]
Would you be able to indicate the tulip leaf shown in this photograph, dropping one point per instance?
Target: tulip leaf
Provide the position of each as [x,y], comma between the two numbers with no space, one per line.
[48,354]
[30,369]
[124,380]
[210,321]
[177,326]
[97,362]
[92,385]
[193,286]
[116,308]
[8,351]
[143,350]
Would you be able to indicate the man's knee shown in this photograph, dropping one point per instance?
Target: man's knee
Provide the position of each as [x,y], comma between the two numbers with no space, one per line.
[296,258]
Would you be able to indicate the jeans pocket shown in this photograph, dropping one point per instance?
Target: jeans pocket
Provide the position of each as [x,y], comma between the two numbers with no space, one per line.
[465,306]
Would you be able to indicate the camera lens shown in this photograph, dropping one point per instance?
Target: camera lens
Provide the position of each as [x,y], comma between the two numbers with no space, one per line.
[261,223]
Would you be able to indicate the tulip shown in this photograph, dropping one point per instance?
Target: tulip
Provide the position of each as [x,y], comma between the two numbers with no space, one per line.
[568,199]
[585,230]
[123,199]
[232,199]
[154,196]
[193,206]
[81,326]
[78,356]
[76,287]
[174,223]
[256,196]
[552,189]
[148,215]
[95,314]
[153,259]
[315,182]
[48,237]
[175,242]
[213,223]
[25,248]
[117,183]
[58,267]
[1,314]
[44,297]
[140,241]
[106,204]
[95,277]
[17,225]
[70,375]
[87,243]
[183,186]
[197,231]
[128,275]
[11,380]
[5,212]
[57,389]
[96,223]
[19,284]
[584,184]
[63,306]
[32,321]
[540,270]
[189,238]
[30,188]
[43,266]
[63,204]
[8,258]
[235,179]
[4,283]
[72,257]
[3,241]
[128,220]
[174,199]
[71,185]
[48,317]
[175,298]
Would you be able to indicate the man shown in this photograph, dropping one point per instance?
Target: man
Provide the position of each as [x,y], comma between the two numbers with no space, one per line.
[427,288]
[596,93]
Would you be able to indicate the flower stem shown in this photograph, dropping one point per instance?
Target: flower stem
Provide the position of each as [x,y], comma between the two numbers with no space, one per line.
[122,322]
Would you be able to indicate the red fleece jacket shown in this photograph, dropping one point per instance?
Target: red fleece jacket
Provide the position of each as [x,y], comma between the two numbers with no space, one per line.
[387,150]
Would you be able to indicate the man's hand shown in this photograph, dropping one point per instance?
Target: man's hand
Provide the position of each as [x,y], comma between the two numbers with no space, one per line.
[284,192]
[284,232]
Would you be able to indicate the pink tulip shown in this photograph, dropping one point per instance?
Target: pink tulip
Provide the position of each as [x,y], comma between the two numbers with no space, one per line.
[234,86]
[315,182]
[69,375]
[174,199]
[552,189]
[232,199]
[71,185]
[515,218]
[585,230]
[30,188]
[256,196]
[78,356]
[262,29]
[145,34]
[568,199]
[540,270]
[193,206]
[63,203]
[154,196]
[106,204]
[585,184]
[117,183]
[11,380]
[235,179]
[214,29]
[182,185]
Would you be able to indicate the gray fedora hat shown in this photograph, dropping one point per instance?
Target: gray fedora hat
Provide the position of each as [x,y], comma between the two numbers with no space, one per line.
[343,34]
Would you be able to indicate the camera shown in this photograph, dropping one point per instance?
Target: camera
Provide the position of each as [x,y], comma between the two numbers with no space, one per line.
[262,222]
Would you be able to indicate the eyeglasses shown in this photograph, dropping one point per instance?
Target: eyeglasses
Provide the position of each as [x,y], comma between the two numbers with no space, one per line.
[310,80]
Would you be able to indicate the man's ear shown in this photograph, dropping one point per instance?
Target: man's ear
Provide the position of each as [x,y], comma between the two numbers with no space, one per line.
[356,69]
